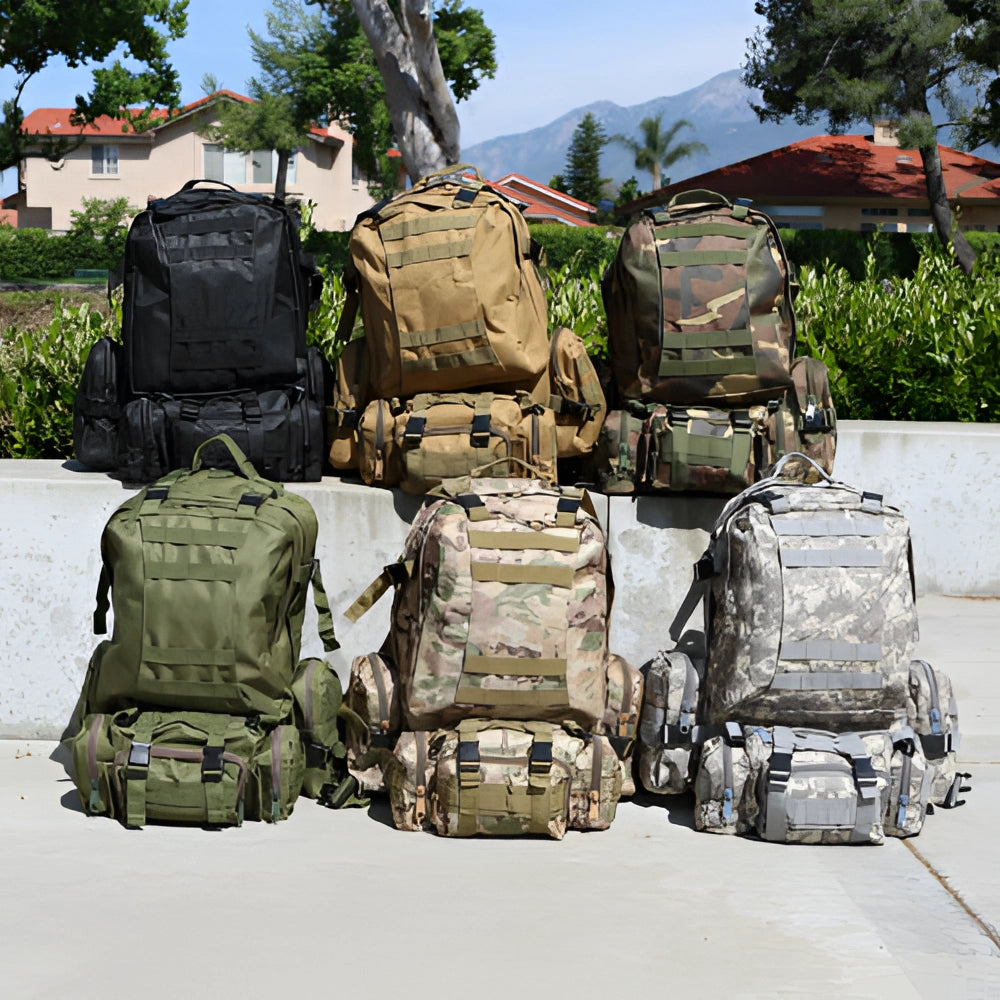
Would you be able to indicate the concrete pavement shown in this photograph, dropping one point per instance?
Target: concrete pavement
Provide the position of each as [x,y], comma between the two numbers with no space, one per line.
[336,903]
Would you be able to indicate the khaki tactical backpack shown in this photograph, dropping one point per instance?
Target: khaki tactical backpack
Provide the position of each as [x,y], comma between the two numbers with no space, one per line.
[208,571]
[449,289]
[699,305]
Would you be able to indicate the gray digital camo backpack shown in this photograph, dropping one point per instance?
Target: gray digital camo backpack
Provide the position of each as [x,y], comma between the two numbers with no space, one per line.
[809,606]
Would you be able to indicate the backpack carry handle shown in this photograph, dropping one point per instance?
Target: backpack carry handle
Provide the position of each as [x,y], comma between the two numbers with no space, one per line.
[206,180]
[455,168]
[243,464]
[785,459]
[698,196]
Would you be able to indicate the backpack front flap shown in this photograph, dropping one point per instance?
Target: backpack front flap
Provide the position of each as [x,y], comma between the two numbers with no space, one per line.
[450,294]
[810,613]
[215,297]
[710,316]
[505,611]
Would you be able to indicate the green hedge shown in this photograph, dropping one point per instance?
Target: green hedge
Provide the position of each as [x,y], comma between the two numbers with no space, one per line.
[32,254]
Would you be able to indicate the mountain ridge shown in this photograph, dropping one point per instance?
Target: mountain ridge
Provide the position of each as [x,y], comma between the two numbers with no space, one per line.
[719,109]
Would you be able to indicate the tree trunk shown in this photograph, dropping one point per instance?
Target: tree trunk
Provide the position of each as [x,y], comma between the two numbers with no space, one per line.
[655,168]
[281,174]
[937,194]
[420,103]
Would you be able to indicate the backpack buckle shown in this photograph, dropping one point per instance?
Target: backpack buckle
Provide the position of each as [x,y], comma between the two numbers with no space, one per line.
[212,765]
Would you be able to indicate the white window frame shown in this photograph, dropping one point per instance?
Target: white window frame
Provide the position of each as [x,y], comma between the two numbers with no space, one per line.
[103,160]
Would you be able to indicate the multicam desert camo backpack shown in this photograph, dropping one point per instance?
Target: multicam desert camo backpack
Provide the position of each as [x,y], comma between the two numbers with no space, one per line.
[699,305]
[501,606]
[810,615]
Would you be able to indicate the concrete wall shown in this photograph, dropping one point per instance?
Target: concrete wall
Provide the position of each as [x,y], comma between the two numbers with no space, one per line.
[51,517]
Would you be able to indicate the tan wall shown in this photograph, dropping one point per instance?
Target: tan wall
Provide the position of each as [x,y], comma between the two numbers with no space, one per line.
[161,164]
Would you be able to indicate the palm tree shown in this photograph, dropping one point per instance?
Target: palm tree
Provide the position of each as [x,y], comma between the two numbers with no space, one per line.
[655,148]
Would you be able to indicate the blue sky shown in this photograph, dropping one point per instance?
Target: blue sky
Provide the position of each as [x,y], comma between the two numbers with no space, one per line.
[552,55]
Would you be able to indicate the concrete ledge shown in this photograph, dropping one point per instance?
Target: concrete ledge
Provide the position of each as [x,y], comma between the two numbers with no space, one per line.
[52,515]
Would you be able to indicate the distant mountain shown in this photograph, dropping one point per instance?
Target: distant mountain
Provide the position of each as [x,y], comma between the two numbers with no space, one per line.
[719,110]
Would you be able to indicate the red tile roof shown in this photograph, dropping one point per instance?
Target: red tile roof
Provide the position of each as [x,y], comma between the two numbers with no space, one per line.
[57,121]
[543,203]
[840,167]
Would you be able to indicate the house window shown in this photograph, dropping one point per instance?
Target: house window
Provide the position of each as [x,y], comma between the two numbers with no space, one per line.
[265,167]
[918,213]
[226,165]
[882,212]
[104,160]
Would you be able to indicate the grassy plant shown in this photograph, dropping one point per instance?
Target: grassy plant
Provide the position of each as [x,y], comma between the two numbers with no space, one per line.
[39,374]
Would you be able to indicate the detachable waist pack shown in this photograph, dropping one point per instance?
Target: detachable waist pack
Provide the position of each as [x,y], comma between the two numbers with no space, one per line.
[812,787]
[503,778]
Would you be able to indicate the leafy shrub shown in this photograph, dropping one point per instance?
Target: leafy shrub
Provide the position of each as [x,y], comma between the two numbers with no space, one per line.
[585,247]
[574,300]
[925,347]
[39,374]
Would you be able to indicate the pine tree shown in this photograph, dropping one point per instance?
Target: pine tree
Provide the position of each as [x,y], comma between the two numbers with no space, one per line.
[583,161]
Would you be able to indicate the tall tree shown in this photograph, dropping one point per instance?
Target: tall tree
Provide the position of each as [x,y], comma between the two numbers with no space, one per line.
[860,61]
[655,149]
[85,32]
[399,66]
[291,93]
[978,41]
[582,174]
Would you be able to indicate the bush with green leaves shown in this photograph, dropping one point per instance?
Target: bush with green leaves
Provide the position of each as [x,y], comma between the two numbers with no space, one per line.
[920,348]
[39,374]
[583,247]
[573,293]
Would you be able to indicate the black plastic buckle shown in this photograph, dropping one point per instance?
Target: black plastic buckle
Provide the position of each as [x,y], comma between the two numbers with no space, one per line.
[317,755]
[780,770]
[212,765]
[540,758]
[479,437]
[414,430]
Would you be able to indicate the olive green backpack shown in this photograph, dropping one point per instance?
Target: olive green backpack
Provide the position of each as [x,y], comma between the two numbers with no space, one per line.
[208,571]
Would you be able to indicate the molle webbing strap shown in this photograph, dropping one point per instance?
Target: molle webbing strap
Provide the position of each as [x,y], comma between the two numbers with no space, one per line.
[435,222]
[825,525]
[473,358]
[737,364]
[684,230]
[470,330]
[835,650]
[524,540]
[836,558]
[427,252]
[541,573]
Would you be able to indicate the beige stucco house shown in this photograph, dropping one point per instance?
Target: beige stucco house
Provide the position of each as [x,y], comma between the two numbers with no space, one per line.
[113,161]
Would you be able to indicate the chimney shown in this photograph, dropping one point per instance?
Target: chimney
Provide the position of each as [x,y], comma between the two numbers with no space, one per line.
[884,132]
